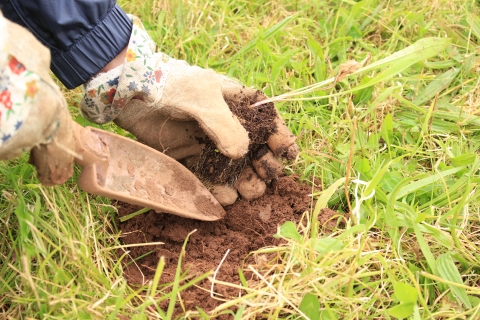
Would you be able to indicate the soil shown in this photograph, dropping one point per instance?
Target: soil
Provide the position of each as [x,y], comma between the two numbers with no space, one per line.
[247,226]
[212,166]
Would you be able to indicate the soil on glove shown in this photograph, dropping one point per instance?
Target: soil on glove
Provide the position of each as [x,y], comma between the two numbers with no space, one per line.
[247,226]
[216,168]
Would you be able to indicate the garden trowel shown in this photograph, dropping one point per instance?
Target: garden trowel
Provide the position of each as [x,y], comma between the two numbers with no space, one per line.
[123,169]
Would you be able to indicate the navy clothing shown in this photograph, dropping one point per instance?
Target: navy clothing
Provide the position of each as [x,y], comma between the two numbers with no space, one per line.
[82,35]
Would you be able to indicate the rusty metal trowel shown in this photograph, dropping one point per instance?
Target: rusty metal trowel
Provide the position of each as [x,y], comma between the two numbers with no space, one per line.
[123,169]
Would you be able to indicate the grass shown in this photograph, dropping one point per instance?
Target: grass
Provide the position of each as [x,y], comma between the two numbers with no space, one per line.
[400,155]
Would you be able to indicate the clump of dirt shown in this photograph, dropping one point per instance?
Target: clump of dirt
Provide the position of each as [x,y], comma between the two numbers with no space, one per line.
[247,226]
[216,168]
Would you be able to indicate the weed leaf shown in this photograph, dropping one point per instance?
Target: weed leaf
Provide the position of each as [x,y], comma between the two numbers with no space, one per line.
[327,194]
[363,166]
[448,271]
[376,180]
[404,292]
[464,159]
[402,310]
[289,230]
[387,129]
[310,306]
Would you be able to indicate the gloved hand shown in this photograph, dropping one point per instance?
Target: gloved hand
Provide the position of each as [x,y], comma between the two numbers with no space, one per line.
[33,112]
[171,106]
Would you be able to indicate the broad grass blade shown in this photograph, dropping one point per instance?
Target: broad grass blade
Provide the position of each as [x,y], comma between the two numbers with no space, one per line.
[448,271]
[426,181]
[427,253]
[376,180]
[436,86]
[420,50]
[326,195]
[475,25]
[401,60]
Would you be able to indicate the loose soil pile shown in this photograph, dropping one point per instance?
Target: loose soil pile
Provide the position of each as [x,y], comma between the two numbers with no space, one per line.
[247,226]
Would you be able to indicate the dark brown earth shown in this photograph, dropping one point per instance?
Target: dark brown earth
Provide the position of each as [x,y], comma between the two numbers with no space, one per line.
[248,226]
[216,168]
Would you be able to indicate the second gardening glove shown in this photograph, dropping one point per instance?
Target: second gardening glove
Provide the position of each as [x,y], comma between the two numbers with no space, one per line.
[33,112]
[170,106]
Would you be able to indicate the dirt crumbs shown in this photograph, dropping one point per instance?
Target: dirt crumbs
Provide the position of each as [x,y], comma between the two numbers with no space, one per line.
[216,168]
[248,226]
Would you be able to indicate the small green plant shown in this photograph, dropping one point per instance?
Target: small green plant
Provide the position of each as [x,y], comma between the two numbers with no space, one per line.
[407,297]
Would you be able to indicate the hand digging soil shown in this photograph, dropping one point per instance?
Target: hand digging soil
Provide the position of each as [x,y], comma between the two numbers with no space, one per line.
[212,167]
[248,225]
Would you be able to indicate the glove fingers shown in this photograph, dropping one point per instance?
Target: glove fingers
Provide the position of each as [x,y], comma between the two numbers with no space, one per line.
[177,139]
[250,185]
[225,195]
[282,141]
[233,90]
[53,162]
[197,93]
[39,120]
[226,132]
[266,164]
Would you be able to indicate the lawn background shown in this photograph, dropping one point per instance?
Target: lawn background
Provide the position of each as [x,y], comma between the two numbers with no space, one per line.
[401,155]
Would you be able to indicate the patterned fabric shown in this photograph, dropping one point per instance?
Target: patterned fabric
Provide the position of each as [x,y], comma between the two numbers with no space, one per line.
[3,42]
[18,88]
[142,76]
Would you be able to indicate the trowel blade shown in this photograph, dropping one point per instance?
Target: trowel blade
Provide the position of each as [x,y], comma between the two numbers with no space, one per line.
[137,174]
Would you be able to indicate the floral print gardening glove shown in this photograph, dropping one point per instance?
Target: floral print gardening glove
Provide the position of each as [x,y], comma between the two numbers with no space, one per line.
[171,106]
[151,77]
[33,112]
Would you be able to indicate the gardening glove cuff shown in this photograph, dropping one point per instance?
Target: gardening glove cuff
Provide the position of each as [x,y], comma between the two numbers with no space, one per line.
[181,91]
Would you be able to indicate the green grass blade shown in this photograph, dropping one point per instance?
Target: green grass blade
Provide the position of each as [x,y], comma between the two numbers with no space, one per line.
[265,36]
[177,280]
[449,271]
[425,249]
[325,196]
[372,185]
[420,50]
[422,182]
[393,64]
[436,86]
